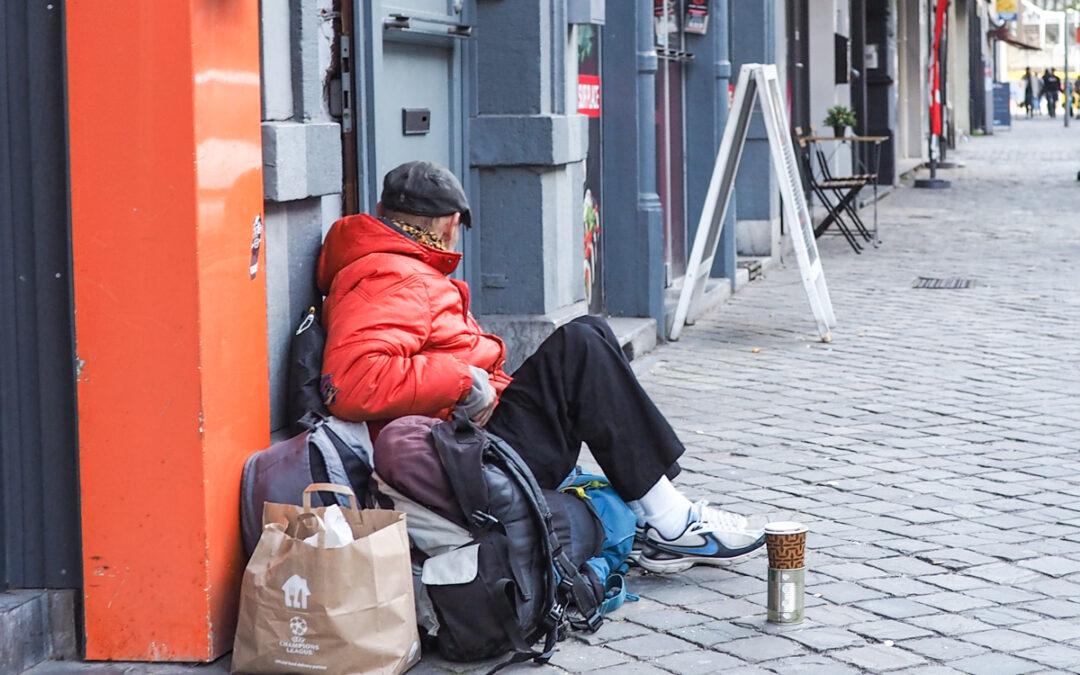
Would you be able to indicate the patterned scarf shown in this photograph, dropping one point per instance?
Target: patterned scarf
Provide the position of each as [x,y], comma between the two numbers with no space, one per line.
[420,234]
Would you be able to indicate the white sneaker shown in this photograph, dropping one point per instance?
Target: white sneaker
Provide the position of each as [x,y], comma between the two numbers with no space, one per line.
[712,537]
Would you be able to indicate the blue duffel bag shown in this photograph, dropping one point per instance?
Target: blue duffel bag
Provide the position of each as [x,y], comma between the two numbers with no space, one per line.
[620,525]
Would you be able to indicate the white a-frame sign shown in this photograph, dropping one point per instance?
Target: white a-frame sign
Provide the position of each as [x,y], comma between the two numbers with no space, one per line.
[756,81]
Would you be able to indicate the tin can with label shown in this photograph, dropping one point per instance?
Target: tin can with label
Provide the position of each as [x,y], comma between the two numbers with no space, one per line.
[786,595]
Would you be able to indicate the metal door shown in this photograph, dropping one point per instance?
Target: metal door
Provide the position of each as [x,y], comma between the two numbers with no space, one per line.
[411,86]
[39,523]
[414,113]
[412,95]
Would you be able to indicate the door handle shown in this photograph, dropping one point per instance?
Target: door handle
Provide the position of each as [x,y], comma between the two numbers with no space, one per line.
[403,22]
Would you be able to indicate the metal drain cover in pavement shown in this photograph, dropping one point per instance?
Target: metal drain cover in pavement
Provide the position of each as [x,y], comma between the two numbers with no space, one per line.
[951,283]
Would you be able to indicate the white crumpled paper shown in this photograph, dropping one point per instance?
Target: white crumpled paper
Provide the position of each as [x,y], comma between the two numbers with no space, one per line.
[334,527]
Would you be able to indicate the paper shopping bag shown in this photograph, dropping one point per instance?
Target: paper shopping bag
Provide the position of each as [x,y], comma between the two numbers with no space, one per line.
[305,608]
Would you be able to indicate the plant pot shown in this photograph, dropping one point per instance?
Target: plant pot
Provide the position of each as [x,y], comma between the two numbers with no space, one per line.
[838,130]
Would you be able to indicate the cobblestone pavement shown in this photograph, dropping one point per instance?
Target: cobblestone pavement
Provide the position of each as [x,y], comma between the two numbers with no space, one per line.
[932,446]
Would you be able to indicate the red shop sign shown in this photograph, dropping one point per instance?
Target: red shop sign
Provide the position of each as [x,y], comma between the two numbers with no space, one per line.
[588,95]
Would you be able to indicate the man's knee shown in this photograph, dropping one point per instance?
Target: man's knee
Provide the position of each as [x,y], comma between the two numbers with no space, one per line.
[597,322]
[588,329]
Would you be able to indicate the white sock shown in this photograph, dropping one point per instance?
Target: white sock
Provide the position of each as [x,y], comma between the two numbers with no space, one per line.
[664,508]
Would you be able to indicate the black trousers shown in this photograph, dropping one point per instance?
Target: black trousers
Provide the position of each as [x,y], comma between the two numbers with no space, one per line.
[578,387]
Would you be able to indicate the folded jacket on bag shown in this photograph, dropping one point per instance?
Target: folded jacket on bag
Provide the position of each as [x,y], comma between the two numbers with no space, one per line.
[406,460]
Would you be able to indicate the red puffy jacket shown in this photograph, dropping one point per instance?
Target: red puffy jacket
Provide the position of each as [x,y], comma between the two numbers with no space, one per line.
[400,338]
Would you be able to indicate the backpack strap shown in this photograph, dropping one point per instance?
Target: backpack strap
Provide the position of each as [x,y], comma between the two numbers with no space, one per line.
[355,459]
[311,420]
[540,658]
[616,593]
[460,445]
[517,470]
[504,590]
[320,437]
[573,584]
[353,439]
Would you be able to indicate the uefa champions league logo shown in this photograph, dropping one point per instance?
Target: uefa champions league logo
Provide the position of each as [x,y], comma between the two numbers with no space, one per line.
[297,644]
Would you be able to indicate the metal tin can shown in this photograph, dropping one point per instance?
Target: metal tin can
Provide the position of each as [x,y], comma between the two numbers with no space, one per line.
[786,595]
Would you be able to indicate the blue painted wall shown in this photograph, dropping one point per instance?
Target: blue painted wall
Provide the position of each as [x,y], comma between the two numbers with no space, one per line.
[527,155]
[707,79]
[633,249]
[753,25]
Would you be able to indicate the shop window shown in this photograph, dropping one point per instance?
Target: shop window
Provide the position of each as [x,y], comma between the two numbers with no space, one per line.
[843,68]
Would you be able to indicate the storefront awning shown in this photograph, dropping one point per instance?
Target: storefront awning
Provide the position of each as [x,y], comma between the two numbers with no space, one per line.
[1005,35]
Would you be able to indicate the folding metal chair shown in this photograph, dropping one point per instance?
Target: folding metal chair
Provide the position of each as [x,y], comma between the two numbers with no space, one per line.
[848,187]
[844,188]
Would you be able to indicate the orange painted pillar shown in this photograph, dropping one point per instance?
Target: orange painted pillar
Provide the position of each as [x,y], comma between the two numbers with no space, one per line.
[170,323]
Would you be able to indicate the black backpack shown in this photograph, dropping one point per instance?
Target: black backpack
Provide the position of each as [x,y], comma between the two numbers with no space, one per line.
[529,550]
[328,451]
[321,449]
[304,395]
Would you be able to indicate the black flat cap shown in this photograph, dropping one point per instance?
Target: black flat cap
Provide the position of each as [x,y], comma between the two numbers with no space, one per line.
[425,189]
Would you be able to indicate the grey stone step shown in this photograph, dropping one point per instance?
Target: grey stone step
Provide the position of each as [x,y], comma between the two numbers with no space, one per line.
[219,667]
[35,626]
[636,335]
[717,290]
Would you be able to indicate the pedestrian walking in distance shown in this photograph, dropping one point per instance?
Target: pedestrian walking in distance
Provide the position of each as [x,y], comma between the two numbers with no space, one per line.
[1051,89]
[1032,92]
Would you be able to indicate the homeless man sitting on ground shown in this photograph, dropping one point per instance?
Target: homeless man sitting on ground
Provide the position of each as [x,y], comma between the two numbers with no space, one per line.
[401,341]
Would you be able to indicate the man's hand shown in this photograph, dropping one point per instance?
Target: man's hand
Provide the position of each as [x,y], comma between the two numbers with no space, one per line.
[479,404]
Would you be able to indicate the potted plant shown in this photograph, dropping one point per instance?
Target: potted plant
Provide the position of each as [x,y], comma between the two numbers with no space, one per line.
[839,117]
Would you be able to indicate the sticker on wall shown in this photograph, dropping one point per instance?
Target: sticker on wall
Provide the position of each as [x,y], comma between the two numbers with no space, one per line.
[588,95]
[256,244]
[697,17]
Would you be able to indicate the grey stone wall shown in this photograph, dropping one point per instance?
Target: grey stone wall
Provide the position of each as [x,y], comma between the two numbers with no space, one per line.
[36,626]
[302,169]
